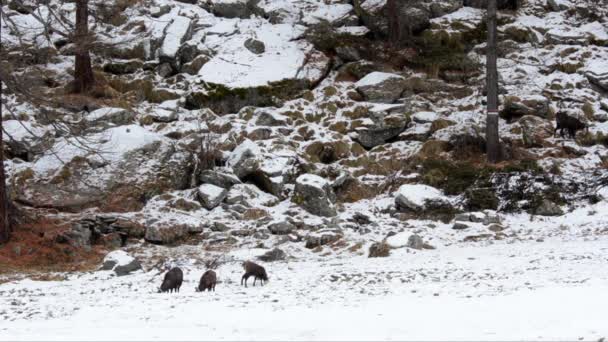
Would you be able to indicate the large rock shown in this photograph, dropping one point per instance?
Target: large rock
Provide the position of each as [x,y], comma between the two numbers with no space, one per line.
[233,8]
[160,230]
[381,87]
[273,255]
[255,46]
[250,196]
[597,73]
[414,197]
[211,195]
[176,33]
[281,228]
[109,115]
[135,165]
[501,4]
[383,127]
[121,263]
[322,237]
[548,208]
[222,178]
[315,195]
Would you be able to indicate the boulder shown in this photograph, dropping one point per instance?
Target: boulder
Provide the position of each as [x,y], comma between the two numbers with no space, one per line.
[250,196]
[548,208]
[233,8]
[379,250]
[597,73]
[244,159]
[123,67]
[210,196]
[121,263]
[315,195]
[384,126]
[535,131]
[322,237]
[500,4]
[167,231]
[104,116]
[381,87]
[415,197]
[275,254]
[281,228]
[255,46]
[415,242]
[266,118]
[163,115]
[222,178]
[176,33]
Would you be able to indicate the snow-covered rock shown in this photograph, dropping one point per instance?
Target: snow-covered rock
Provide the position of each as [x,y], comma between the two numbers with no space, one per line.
[597,73]
[176,33]
[221,178]
[211,195]
[417,196]
[250,196]
[381,87]
[121,263]
[117,116]
[314,194]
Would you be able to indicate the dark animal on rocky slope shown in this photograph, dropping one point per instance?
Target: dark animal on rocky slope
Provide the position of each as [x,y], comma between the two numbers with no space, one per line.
[207,282]
[565,122]
[173,280]
[255,270]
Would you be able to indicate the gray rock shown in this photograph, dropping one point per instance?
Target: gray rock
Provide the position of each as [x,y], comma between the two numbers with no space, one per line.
[122,270]
[384,128]
[273,255]
[176,33]
[459,226]
[379,250]
[415,242]
[315,195]
[210,196]
[381,87]
[281,228]
[223,179]
[104,116]
[122,68]
[233,9]
[322,237]
[164,70]
[167,232]
[255,46]
[219,227]
[496,228]
[158,12]
[548,208]
[264,118]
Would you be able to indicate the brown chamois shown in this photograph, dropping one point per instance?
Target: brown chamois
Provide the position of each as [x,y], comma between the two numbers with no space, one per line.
[563,121]
[173,280]
[255,270]
[207,282]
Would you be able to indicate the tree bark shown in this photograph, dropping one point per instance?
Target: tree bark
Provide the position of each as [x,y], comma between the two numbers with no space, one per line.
[84,78]
[492,138]
[5,227]
[394,29]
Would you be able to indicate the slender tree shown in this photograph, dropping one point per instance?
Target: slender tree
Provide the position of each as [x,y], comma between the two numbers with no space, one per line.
[492,138]
[84,78]
[5,227]
[394,28]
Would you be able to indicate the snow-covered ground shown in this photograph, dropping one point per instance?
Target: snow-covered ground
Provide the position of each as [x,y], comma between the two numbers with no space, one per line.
[549,290]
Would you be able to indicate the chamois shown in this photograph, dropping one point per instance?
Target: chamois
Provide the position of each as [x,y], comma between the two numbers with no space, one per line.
[255,270]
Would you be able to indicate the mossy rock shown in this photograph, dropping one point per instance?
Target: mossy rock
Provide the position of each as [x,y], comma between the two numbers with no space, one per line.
[433,148]
[440,124]
[481,199]
[225,100]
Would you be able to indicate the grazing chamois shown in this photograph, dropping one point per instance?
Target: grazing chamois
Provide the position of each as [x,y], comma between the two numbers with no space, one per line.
[207,282]
[173,280]
[255,270]
[563,121]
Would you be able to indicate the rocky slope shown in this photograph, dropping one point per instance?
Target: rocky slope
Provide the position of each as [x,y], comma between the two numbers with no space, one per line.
[245,123]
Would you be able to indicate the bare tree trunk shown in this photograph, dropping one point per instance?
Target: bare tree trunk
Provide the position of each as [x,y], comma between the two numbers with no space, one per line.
[5,227]
[492,139]
[394,29]
[84,78]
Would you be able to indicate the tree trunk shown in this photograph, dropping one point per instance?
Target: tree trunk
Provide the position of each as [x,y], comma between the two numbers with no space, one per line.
[394,29]
[5,227]
[83,75]
[492,139]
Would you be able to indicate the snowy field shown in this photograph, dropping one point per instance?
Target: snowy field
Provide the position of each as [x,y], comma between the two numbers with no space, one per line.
[527,290]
